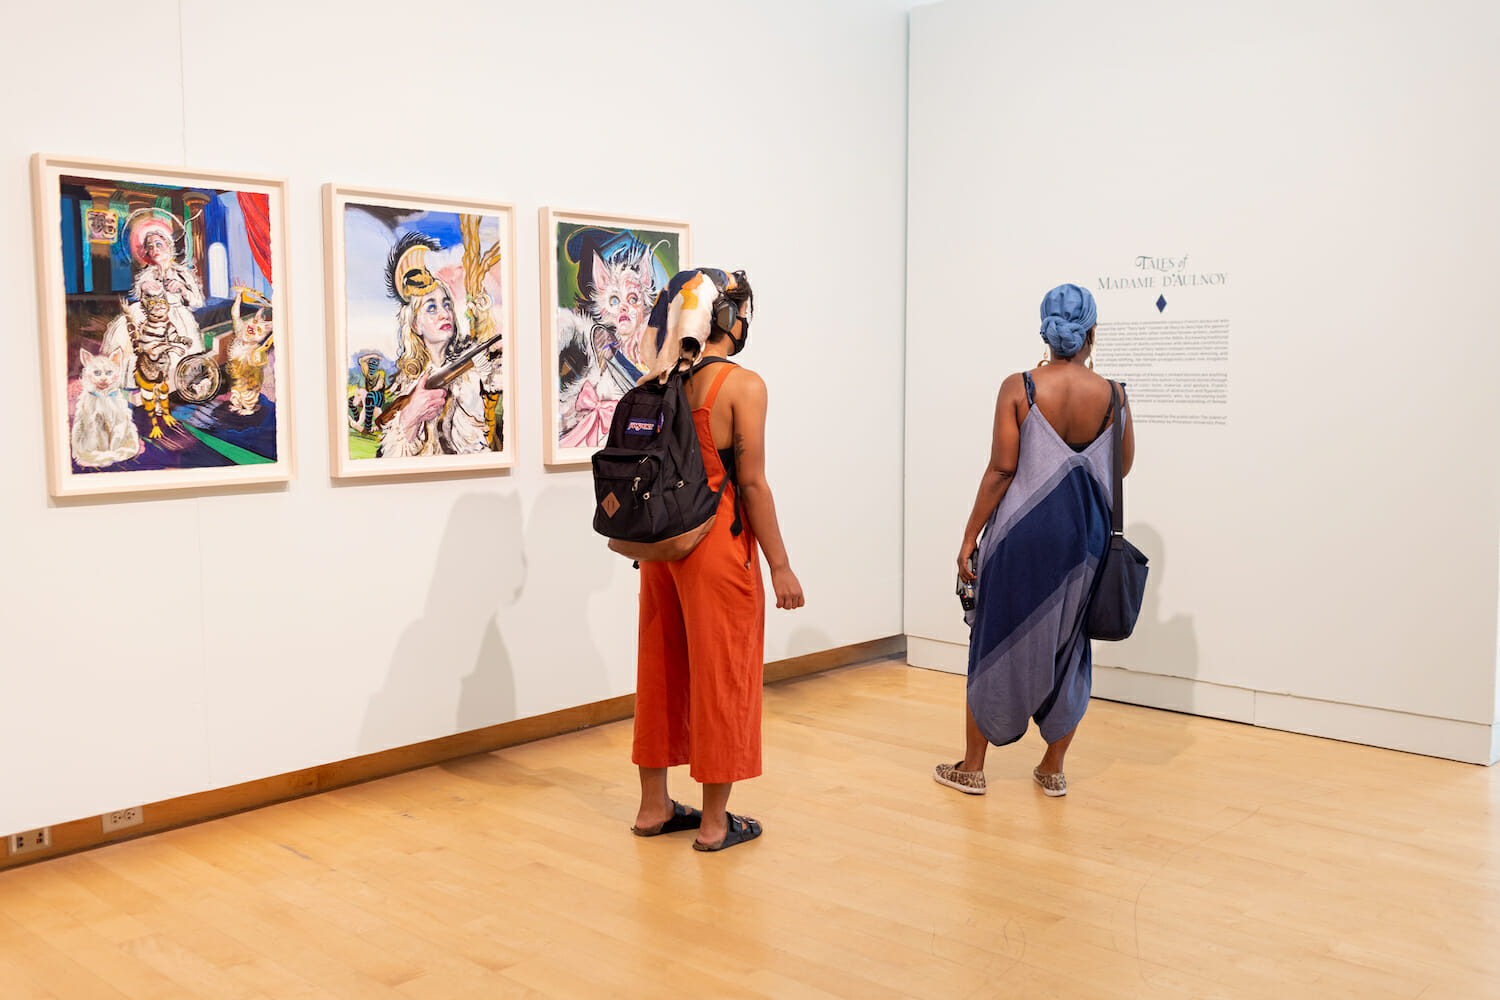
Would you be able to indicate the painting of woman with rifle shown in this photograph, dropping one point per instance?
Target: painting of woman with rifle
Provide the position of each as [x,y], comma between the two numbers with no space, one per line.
[422,304]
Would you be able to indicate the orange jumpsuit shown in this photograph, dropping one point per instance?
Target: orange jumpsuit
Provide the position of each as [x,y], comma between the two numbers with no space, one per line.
[700,665]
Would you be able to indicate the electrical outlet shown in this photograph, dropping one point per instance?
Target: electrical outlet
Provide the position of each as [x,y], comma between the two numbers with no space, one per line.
[122,818]
[31,840]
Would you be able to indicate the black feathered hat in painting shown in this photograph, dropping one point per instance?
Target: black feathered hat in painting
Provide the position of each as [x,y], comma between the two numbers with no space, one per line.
[406,274]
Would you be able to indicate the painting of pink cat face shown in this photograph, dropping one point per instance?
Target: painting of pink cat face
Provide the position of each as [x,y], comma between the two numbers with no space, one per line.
[603,275]
[620,296]
[101,372]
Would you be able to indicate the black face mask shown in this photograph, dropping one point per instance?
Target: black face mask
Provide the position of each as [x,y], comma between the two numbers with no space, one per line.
[742,300]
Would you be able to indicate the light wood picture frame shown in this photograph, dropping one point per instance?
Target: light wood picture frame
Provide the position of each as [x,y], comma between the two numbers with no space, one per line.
[421,314]
[165,313]
[600,275]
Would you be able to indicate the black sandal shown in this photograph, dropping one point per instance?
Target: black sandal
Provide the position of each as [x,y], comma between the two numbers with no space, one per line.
[683,818]
[741,829]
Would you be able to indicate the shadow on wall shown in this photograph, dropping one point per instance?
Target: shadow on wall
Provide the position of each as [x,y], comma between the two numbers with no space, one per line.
[550,621]
[1160,645]
[480,568]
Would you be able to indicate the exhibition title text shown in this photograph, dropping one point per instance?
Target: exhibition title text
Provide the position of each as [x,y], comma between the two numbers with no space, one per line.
[1162,272]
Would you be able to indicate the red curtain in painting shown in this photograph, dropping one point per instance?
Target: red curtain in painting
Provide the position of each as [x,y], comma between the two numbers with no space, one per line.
[256,208]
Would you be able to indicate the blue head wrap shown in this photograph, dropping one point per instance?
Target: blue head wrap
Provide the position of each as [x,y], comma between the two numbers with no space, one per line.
[1068,312]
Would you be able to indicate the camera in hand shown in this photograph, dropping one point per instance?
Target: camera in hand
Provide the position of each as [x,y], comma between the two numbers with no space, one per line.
[965,588]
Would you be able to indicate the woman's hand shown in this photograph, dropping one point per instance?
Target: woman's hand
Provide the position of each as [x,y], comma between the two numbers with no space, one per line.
[964,551]
[426,404]
[605,342]
[788,589]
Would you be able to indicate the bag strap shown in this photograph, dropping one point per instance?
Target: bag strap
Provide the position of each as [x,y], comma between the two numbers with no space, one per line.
[1117,515]
[702,363]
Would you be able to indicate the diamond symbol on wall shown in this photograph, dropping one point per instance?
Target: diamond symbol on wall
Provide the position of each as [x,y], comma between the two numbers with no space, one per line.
[1161,303]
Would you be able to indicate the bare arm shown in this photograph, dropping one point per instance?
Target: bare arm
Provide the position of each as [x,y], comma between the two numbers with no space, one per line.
[748,410]
[1005,451]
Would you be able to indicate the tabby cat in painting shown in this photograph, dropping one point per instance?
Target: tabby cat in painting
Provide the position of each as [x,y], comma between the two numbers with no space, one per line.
[247,359]
[103,431]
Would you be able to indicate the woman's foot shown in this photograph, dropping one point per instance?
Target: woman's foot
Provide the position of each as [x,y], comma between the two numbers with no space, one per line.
[655,814]
[953,775]
[738,829]
[1052,784]
[682,818]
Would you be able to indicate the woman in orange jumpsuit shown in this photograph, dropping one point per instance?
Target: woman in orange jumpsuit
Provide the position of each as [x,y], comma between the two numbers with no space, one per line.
[703,622]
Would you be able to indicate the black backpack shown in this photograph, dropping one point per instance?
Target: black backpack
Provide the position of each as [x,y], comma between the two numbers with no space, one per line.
[654,503]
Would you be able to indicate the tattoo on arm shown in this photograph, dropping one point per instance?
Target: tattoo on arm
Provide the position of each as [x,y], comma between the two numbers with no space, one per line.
[739,445]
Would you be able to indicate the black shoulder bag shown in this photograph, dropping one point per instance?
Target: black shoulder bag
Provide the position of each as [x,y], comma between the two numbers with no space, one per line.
[1116,601]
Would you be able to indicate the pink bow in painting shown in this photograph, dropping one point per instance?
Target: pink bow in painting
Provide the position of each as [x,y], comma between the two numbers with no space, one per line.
[594,415]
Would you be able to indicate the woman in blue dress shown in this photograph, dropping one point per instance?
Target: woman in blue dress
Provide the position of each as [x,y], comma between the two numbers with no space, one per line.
[1044,507]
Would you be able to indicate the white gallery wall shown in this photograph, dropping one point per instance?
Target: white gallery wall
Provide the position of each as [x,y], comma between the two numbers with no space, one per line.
[1323,560]
[161,646]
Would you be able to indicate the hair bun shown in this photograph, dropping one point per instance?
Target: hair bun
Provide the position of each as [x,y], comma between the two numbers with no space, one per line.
[1064,337]
[1068,313]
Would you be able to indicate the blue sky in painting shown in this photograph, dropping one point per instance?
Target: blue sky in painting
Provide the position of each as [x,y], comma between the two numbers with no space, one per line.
[368,237]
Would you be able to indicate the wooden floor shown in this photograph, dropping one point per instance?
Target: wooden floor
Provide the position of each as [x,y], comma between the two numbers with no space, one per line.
[1191,858]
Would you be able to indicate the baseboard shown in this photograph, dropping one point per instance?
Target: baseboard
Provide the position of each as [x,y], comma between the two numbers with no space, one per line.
[185,810]
[842,656]
[1176,694]
[936,654]
[1470,742]
[1451,739]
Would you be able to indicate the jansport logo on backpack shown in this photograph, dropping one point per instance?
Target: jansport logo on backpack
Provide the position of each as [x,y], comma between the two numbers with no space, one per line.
[643,428]
[654,503]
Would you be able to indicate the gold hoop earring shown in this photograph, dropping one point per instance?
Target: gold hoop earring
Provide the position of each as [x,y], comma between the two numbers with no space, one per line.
[1089,361]
[1046,358]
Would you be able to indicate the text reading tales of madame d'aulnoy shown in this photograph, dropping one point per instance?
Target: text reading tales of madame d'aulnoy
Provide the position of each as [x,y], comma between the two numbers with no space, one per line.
[1164,331]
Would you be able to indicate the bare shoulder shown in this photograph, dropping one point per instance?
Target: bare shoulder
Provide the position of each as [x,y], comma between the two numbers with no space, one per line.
[1103,387]
[1013,388]
[744,384]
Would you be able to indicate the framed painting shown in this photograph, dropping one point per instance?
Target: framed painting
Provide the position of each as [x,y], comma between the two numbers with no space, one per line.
[421,319]
[601,274]
[164,318]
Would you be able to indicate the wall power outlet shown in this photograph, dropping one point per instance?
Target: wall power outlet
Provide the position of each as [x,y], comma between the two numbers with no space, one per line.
[31,840]
[122,818]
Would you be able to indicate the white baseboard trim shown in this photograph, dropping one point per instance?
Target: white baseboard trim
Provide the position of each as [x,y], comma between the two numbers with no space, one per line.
[935,654]
[1470,742]
[1451,739]
[1176,694]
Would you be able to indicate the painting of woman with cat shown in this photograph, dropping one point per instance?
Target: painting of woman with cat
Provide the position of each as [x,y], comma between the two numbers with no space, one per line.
[151,374]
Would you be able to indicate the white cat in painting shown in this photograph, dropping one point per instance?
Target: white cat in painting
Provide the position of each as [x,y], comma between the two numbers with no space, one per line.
[103,431]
